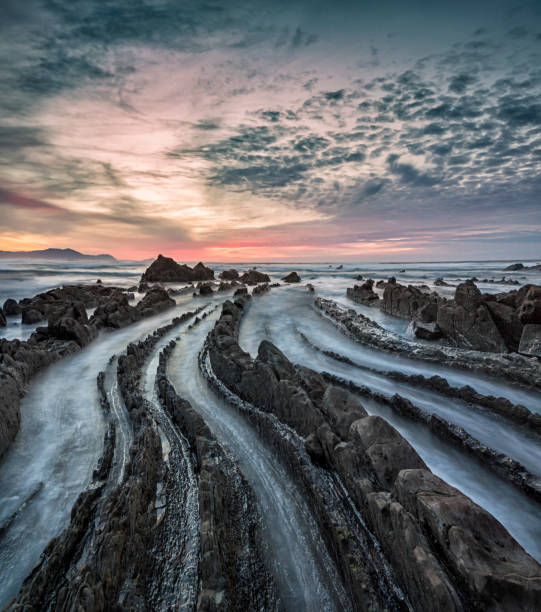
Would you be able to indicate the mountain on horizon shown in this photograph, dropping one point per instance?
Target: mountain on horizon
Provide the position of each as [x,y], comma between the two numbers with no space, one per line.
[57,254]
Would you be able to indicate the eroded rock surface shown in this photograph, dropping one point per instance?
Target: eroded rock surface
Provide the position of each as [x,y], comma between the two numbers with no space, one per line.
[167,270]
[439,568]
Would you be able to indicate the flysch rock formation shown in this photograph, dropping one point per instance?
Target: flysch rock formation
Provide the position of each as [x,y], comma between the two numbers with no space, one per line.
[130,545]
[68,330]
[472,320]
[445,549]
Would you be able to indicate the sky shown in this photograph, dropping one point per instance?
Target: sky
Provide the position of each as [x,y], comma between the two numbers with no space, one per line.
[296,130]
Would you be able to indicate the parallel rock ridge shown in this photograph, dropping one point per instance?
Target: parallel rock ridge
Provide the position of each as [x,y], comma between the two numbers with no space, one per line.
[232,570]
[447,552]
[104,558]
[512,367]
[68,330]
[472,320]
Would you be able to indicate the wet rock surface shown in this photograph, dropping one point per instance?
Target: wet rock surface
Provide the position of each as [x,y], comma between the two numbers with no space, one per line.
[512,367]
[230,274]
[167,270]
[377,466]
[364,294]
[253,277]
[292,277]
[471,320]
[409,302]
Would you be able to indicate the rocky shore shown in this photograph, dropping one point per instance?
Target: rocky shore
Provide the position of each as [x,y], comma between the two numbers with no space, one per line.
[424,526]
[500,323]
[512,367]
[67,331]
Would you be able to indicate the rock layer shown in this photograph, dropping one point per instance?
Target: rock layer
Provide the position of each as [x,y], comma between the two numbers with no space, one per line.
[387,479]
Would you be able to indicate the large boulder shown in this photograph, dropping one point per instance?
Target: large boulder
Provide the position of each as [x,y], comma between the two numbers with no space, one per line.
[408,302]
[202,273]
[495,570]
[253,277]
[205,289]
[530,309]
[71,324]
[364,294]
[506,319]
[230,274]
[467,321]
[167,270]
[514,267]
[530,341]
[426,331]
[387,450]
[156,300]
[11,307]
[292,277]
[341,408]
[31,316]
[116,313]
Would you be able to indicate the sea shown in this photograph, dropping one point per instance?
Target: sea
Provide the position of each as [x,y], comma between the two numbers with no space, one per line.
[22,279]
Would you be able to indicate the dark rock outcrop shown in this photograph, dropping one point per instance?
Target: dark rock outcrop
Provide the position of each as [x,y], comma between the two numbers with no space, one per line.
[426,331]
[439,282]
[201,272]
[260,289]
[205,289]
[530,309]
[11,307]
[253,277]
[51,303]
[167,270]
[3,321]
[409,302]
[364,294]
[514,267]
[467,321]
[512,367]
[292,277]
[118,312]
[530,342]
[440,569]
[230,275]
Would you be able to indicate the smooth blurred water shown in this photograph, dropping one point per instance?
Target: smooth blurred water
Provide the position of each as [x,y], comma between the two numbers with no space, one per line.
[20,279]
[279,316]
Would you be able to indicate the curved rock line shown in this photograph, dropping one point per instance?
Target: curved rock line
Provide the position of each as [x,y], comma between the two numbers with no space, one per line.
[514,413]
[514,368]
[116,522]
[273,316]
[232,569]
[359,555]
[303,573]
[505,467]
[124,432]
[519,514]
[491,430]
[448,428]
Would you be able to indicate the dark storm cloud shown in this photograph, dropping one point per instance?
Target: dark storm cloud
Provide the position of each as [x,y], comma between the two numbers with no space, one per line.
[461,82]
[408,173]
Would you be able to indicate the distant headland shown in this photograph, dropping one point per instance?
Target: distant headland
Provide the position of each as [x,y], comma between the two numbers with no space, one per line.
[56,254]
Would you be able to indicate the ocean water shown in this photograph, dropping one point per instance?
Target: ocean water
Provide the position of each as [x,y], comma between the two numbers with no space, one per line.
[20,279]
